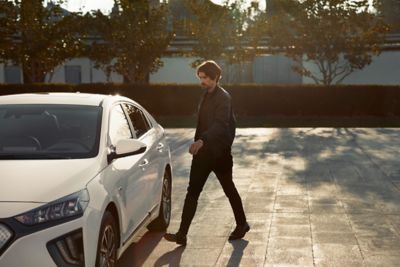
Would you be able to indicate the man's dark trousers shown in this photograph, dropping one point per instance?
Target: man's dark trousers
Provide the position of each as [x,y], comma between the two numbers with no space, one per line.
[203,163]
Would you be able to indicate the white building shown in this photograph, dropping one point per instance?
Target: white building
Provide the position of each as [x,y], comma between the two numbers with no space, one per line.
[265,69]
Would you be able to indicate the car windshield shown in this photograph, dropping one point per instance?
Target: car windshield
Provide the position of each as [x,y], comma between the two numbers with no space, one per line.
[49,131]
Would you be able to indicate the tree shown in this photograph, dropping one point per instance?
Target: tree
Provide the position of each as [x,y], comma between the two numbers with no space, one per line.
[248,32]
[390,10]
[8,30]
[40,38]
[338,36]
[131,40]
[228,32]
[211,28]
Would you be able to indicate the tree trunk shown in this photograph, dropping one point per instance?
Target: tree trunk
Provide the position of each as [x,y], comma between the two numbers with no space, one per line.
[32,73]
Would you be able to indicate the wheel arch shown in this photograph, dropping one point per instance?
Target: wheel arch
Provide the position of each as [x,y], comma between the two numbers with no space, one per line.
[112,208]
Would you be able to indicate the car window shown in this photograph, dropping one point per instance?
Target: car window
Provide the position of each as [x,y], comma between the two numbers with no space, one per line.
[119,126]
[53,131]
[138,120]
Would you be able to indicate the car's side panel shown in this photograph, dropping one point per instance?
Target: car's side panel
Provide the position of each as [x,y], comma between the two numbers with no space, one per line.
[153,178]
[161,150]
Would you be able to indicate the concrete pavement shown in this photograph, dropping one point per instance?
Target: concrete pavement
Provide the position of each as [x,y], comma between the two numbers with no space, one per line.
[313,197]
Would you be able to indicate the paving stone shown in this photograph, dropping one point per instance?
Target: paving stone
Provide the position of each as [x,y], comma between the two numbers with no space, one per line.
[296,203]
[331,227]
[290,231]
[289,243]
[235,261]
[394,220]
[323,200]
[290,257]
[243,249]
[206,241]
[381,261]
[360,206]
[291,219]
[199,257]
[337,255]
[335,238]
[380,245]
[326,208]
[261,206]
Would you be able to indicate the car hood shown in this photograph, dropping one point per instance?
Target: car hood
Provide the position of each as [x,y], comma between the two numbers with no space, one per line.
[44,180]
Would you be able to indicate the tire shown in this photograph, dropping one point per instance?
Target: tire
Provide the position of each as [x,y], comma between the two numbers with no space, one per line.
[162,221]
[108,242]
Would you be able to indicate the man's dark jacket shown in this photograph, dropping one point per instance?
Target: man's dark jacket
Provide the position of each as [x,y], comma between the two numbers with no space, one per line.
[221,122]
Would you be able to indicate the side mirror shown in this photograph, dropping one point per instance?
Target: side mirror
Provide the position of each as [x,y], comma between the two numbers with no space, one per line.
[125,148]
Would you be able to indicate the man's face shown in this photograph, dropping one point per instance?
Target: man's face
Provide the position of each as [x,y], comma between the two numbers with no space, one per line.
[206,82]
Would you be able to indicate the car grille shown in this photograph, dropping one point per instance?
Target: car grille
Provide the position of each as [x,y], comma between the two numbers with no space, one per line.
[5,235]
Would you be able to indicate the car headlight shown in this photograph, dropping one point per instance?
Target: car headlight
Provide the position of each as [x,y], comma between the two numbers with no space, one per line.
[71,205]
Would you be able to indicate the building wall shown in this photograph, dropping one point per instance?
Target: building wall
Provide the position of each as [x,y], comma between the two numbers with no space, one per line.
[89,74]
[384,69]
[274,69]
[2,78]
[266,69]
[175,70]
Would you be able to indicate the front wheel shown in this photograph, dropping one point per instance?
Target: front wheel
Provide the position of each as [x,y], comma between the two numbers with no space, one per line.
[162,221]
[107,244]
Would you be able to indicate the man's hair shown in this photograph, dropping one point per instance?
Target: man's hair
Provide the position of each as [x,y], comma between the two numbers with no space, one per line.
[211,69]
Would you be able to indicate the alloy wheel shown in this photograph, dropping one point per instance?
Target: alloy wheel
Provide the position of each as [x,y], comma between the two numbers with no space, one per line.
[107,248]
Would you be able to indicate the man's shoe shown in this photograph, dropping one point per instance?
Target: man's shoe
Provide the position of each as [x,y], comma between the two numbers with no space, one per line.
[239,231]
[177,238]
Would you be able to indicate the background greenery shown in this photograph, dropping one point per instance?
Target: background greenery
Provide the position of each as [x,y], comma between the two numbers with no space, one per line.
[255,105]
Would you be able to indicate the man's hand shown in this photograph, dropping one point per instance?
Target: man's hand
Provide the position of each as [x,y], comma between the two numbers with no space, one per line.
[196,146]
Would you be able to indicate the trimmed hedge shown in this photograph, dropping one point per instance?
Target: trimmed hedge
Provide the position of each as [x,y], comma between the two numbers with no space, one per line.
[248,100]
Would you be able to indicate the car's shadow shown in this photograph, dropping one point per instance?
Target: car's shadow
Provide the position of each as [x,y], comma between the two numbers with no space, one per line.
[138,252]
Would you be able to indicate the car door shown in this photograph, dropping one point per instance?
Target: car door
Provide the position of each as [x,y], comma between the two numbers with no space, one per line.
[144,132]
[129,176]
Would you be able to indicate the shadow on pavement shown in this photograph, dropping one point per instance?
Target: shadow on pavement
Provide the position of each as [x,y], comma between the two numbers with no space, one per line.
[329,156]
[171,258]
[238,248]
[138,252]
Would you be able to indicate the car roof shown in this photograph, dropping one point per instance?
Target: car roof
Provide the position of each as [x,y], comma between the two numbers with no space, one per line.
[60,98]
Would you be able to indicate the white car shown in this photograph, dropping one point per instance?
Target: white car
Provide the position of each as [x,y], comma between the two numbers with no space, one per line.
[80,175]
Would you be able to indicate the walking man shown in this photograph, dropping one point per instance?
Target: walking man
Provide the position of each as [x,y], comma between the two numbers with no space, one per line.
[212,152]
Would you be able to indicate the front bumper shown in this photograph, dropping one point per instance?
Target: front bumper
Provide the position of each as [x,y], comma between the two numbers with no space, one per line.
[66,244]
[31,249]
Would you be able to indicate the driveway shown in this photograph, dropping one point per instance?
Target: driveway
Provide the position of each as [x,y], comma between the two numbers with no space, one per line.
[312,196]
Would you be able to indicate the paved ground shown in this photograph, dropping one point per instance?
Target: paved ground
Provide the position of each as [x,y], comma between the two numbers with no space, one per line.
[313,197]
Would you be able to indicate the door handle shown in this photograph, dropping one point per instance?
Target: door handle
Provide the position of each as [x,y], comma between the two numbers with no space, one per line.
[160,146]
[144,163]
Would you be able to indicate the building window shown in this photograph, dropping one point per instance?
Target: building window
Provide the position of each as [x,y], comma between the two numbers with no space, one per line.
[12,74]
[73,74]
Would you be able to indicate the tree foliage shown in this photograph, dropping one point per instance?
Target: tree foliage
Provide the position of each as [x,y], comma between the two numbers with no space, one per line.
[390,11]
[224,32]
[38,38]
[338,36]
[131,40]
[8,30]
